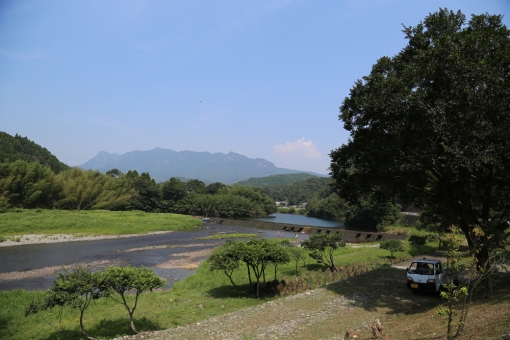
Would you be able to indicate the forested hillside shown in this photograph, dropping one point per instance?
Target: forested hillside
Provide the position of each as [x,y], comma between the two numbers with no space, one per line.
[275,180]
[31,177]
[323,202]
[299,192]
[16,147]
[295,189]
[30,185]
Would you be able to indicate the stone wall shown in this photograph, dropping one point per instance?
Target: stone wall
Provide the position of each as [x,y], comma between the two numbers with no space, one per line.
[349,236]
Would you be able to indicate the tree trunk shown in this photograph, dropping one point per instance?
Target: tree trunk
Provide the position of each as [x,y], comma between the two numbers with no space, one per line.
[230,277]
[83,328]
[132,323]
[249,275]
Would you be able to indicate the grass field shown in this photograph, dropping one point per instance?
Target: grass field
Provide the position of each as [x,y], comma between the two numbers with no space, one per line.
[158,310]
[380,293]
[90,222]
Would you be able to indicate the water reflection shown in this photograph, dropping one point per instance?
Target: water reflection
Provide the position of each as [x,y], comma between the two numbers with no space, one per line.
[299,220]
[36,256]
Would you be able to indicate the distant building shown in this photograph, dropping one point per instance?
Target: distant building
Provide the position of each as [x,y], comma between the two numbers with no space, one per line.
[302,205]
[282,204]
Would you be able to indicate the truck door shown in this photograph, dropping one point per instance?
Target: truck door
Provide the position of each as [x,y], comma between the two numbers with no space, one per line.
[438,272]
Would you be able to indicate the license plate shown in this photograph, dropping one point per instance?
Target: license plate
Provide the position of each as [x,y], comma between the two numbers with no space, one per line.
[414,285]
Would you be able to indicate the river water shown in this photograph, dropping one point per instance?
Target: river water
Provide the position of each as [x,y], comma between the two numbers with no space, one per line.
[37,256]
[300,220]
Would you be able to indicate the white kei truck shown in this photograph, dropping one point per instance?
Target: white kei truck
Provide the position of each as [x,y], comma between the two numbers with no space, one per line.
[426,275]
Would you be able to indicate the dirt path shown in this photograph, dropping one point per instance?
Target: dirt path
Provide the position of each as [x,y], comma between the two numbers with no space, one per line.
[323,313]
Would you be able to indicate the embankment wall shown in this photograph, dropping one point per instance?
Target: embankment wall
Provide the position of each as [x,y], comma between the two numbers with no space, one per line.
[350,236]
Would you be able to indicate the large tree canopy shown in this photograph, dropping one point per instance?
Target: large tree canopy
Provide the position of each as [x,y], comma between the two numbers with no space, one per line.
[432,125]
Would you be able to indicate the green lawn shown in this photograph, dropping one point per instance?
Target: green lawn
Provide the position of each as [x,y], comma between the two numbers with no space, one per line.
[200,296]
[91,222]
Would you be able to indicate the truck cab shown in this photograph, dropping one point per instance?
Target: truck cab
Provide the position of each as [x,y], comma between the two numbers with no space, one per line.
[426,276]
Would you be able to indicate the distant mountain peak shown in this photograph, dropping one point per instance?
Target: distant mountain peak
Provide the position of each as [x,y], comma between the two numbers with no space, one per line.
[162,164]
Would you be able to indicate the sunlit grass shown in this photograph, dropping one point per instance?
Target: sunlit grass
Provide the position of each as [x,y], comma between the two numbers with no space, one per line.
[202,295]
[91,222]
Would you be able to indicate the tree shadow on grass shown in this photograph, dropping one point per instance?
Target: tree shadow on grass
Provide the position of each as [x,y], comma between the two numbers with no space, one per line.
[4,324]
[242,291]
[385,289]
[106,328]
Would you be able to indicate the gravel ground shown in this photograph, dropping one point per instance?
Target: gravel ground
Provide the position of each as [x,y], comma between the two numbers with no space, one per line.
[50,271]
[19,240]
[280,319]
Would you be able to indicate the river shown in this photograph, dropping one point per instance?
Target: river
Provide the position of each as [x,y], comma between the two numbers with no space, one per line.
[300,220]
[30,258]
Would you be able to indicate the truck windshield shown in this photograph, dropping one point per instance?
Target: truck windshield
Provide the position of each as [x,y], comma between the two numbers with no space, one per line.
[421,268]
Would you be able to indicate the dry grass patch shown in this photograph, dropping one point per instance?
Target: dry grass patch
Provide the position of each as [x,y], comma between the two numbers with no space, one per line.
[187,260]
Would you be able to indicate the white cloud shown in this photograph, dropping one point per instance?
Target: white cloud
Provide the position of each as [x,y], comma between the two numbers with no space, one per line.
[299,148]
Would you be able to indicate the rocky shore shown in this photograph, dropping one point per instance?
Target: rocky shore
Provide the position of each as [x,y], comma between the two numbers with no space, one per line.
[19,240]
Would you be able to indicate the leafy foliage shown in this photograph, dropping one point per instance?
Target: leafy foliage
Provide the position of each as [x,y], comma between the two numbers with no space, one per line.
[275,180]
[21,148]
[322,247]
[430,125]
[393,246]
[297,254]
[75,289]
[256,254]
[371,215]
[122,280]
[226,258]
[450,292]
[79,287]
[31,185]
[418,241]
[331,207]
[300,192]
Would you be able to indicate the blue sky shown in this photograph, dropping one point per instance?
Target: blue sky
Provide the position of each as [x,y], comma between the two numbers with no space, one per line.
[261,78]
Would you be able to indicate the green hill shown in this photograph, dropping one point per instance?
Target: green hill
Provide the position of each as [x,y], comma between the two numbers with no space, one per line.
[275,180]
[17,147]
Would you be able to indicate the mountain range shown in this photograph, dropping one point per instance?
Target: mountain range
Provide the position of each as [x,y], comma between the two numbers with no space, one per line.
[162,164]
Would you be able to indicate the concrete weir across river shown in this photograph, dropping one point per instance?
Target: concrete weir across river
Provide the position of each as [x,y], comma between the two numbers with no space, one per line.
[172,255]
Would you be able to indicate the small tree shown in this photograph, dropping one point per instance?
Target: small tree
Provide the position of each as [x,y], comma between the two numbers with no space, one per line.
[257,254]
[393,246]
[296,254]
[75,289]
[226,258]
[475,273]
[277,255]
[322,247]
[450,292]
[418,241]
[123,279]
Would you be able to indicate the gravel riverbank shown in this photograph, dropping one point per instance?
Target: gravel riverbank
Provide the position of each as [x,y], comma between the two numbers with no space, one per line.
[19,240]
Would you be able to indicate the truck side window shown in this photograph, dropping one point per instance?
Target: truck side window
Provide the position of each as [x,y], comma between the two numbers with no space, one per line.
[438,268]
[412,268]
